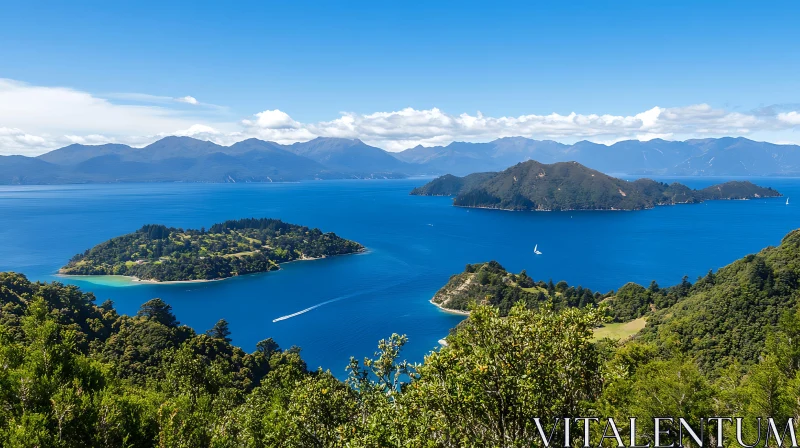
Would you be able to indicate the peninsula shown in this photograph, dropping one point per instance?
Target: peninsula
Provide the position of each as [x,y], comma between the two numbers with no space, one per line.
[489,283]
[166,254]
[571,186]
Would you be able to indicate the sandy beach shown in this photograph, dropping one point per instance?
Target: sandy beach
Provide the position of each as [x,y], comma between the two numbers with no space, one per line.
[448,310]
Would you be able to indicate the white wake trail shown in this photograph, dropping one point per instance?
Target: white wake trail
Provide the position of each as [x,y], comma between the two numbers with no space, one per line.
[289,316]
[336,299]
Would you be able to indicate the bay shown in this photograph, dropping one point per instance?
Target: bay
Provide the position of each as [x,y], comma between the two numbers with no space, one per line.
[340,307]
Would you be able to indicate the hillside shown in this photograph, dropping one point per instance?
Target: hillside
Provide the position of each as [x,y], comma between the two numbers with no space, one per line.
[160,253]
[571,186]
[727,316]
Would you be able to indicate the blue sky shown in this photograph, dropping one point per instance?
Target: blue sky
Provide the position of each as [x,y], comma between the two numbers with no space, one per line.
[314,60]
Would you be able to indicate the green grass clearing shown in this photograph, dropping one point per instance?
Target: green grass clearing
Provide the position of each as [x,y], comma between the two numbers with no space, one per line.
[619,331]
[240,254]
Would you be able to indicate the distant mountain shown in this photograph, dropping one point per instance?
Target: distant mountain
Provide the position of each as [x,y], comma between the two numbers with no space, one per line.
[571,186]
[718,157]
[463,158]
[350,155]
[75,154]
[185,159]
[28,170]
[449,185]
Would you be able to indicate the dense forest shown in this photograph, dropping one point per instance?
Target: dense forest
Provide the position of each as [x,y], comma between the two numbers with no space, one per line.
[245,246]
[571,186]
[76,374]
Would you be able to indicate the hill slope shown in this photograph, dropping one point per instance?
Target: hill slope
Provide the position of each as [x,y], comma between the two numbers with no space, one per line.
[571,186]
[727,315]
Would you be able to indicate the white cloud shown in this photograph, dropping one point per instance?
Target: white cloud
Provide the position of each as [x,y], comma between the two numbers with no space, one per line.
[193,130]
[188,100]
[790,117]
[272,119]
[409,127]
[93,139]
[34,119]
[16,139]
[159,99]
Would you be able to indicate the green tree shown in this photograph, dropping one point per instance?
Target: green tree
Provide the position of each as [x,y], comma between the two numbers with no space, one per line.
[497,374]
[157,310]
[220,331]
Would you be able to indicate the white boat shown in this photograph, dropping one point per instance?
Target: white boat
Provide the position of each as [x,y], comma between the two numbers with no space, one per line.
[787,201]
[536,250]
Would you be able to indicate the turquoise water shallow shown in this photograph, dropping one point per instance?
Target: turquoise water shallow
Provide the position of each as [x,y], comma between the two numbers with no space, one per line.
[340,307]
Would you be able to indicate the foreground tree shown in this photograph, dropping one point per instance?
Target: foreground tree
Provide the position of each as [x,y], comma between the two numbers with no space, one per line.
[497,374]
[220,331]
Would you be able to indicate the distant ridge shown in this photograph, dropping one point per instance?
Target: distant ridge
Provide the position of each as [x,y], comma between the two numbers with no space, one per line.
[185,159]
[704,157]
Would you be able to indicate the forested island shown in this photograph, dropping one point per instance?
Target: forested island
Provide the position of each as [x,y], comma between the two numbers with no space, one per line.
[571,186]
[245,246]
[74,373]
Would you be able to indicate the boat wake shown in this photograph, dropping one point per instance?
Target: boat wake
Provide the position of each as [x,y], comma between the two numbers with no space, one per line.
[289,316]
[336,299]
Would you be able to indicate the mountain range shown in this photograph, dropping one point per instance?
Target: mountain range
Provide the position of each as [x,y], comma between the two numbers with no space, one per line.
[714,157]
[185,159]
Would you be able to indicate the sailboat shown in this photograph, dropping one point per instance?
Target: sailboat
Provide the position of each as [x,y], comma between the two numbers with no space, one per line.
[787,201]
[536,250]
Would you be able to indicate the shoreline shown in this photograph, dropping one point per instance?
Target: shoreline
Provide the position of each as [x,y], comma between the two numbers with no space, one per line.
[607,209]
[449,310]
[132,280]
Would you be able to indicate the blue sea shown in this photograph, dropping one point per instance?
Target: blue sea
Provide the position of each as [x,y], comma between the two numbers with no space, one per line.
[340,307]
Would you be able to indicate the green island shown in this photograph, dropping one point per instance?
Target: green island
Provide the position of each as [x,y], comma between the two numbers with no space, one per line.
[74,373]
[245,246]
[571,186]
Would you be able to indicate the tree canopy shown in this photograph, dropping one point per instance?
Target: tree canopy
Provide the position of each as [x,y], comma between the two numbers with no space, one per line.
[160,253]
